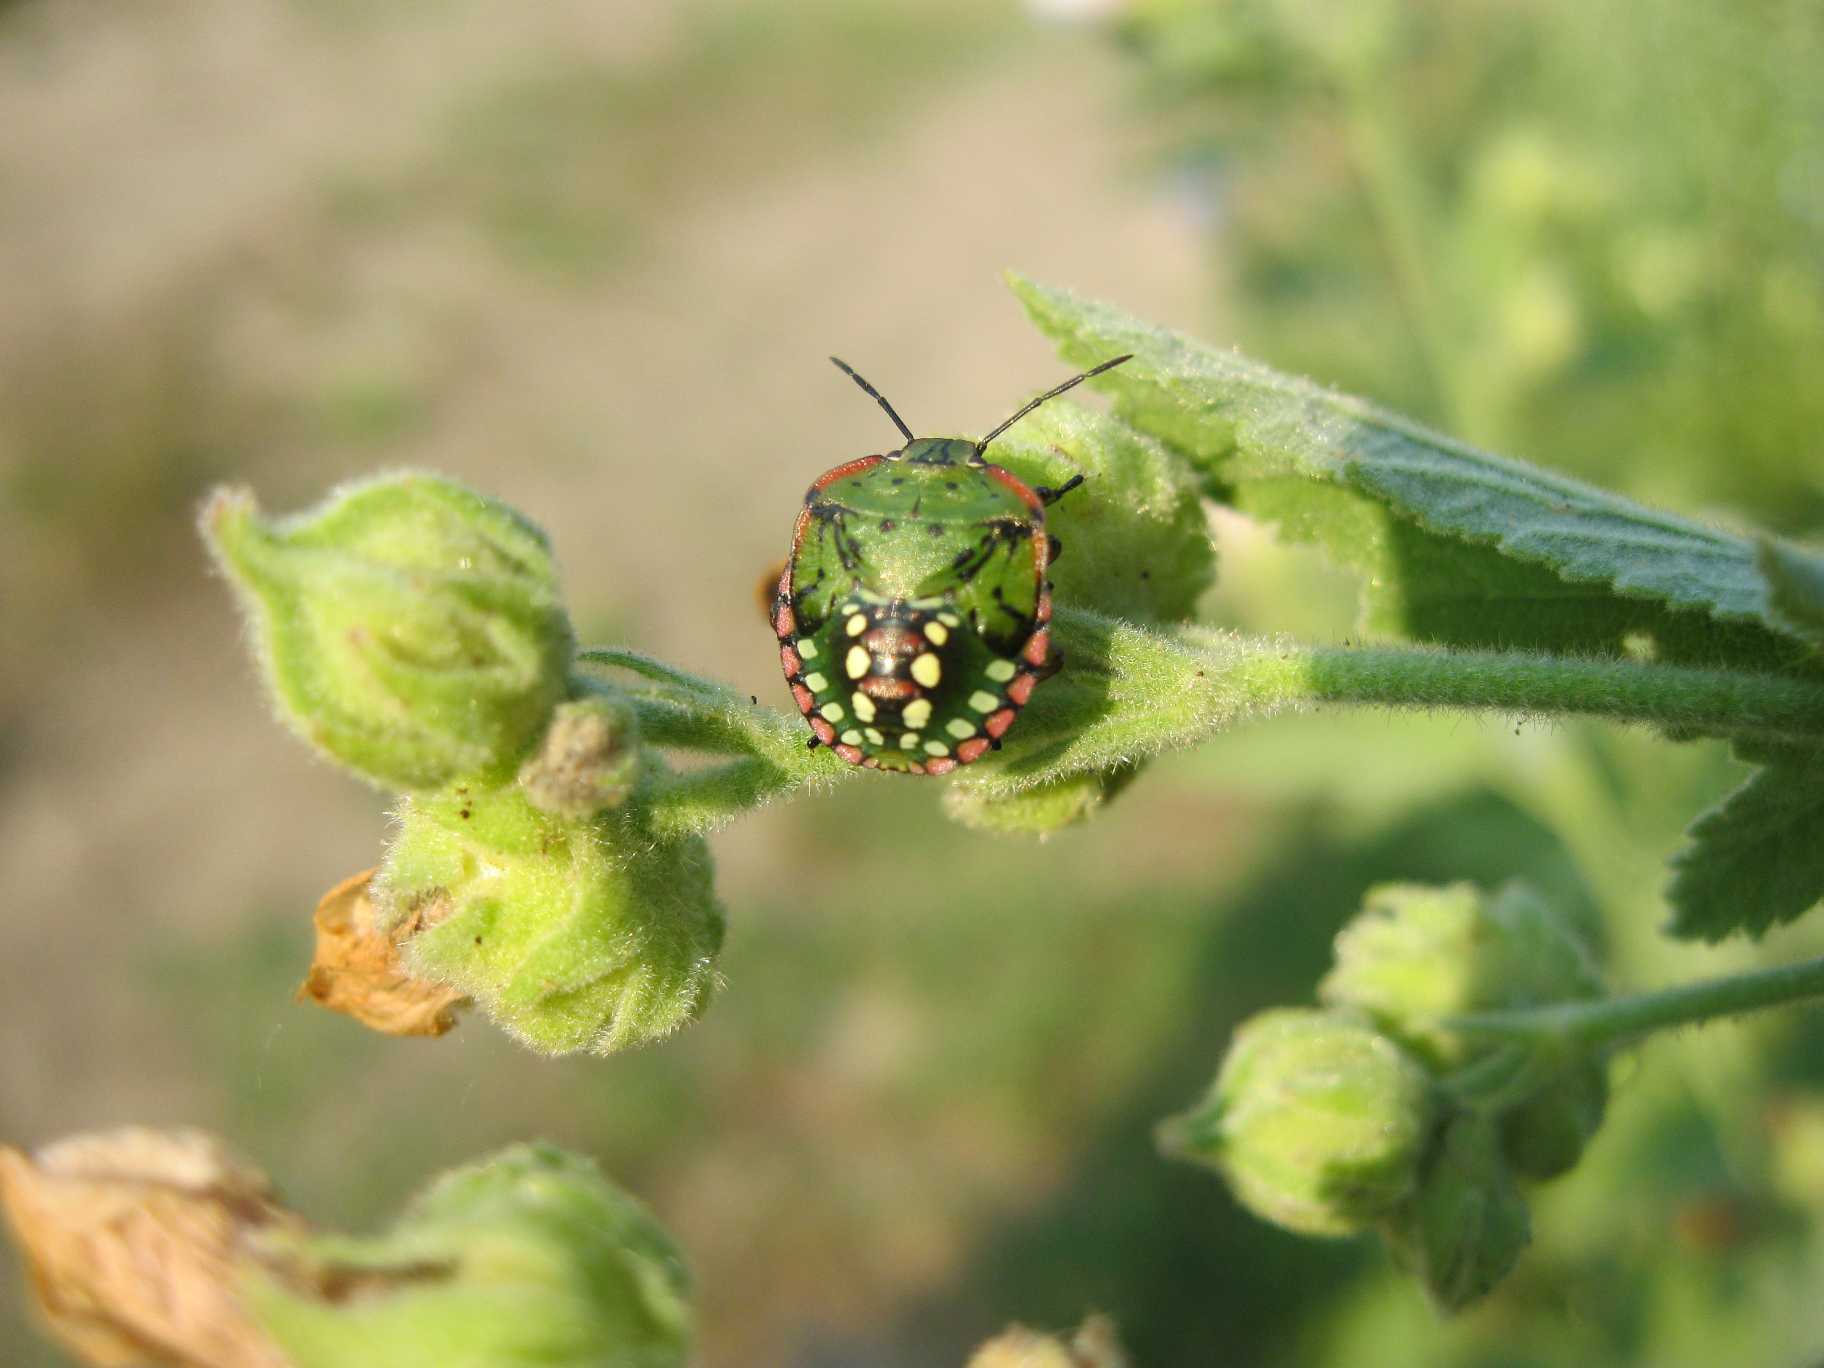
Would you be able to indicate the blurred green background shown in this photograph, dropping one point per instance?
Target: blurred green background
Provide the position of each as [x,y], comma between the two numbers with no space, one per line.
[589,257]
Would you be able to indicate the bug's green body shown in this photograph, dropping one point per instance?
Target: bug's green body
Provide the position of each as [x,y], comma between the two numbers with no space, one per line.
[912,612]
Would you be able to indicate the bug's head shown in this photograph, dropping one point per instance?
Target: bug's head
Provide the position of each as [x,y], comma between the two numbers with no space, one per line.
[939,451]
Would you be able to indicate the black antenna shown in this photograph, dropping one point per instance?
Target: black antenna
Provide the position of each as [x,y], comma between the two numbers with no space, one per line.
[1075,380]
[879,398]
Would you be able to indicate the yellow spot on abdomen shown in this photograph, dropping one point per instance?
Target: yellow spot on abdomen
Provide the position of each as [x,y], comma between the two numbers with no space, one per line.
[856,625]
[1000,671]
[832,712]
[851,737]
[864,706]
[909,741]
[938,633]
[927,670]
[917,713]
[807,649]
[816,683]
[936,748]
[960,728]
[983,701]
[856,662]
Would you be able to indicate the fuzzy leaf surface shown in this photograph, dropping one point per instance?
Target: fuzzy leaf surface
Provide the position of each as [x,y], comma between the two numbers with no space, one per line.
[1795,581]
[1457,545]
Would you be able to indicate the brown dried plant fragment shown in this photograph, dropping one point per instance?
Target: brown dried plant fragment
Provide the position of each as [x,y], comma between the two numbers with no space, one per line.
[1095,1345]
[135,1240]
[357,970]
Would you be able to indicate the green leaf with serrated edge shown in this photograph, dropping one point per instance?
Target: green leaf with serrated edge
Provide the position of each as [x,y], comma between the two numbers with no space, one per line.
[1552,561]
[1429,587]
[1756,860]
[1795,586]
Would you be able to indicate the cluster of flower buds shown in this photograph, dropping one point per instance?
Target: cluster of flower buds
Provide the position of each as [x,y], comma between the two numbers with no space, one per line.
[1360,1115]
[414,631]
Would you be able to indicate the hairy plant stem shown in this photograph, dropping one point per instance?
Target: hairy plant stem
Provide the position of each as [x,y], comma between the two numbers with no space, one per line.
[1607,1022]
[1128,692]
[1674,697]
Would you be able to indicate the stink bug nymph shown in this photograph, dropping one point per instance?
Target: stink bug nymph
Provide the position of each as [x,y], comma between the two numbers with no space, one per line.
[913,613]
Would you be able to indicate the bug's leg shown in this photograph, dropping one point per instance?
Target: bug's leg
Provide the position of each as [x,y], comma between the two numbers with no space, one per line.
[1053,663]
[1055,549]
[1049,496]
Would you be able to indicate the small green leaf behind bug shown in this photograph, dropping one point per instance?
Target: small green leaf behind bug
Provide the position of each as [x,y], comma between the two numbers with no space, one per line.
[913,612]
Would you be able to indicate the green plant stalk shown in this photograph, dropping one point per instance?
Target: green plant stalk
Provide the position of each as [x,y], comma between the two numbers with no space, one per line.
[1129,692]
[1684,698]
[763,750]
[1605,1022]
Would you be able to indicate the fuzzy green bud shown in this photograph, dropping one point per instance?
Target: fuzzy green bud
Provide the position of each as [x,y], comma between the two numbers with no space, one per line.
[1545,1135]
[1135,535]
[1418,953]
[410,628]
[574,933]
[1041,809]
[530,1258]
[589,759]
[1467,1225]
[1317,1121]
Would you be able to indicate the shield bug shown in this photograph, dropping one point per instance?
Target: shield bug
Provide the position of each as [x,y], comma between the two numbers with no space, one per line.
[913,611]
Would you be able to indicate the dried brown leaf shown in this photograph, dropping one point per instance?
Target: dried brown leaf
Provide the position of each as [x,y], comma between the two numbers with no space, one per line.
[357,970]
[134,1240]
[1095,1345]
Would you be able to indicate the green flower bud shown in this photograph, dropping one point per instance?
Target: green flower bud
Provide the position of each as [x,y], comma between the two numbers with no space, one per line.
[410,628]
[531,1258]
[573,933]
[1317,1121]
[1466,1226]
[1135,536]
[1545,1135]
[1042,809]
[589,759]
[1417,953]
